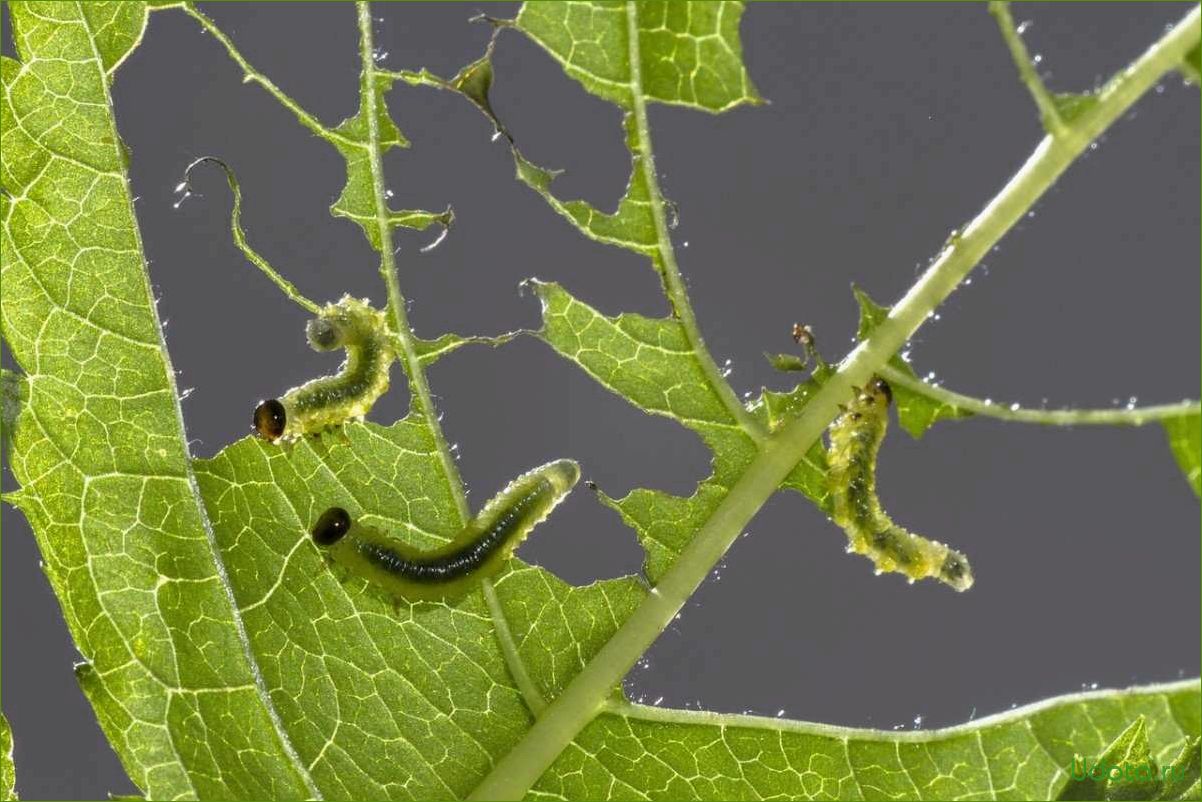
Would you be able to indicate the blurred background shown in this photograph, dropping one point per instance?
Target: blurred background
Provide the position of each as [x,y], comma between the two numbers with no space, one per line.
[889,125]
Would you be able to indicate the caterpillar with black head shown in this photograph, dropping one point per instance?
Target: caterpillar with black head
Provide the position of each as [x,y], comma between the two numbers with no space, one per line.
[855,440]
[362,332]
[478,551]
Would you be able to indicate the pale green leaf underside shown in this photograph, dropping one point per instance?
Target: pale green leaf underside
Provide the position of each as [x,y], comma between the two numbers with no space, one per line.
[358,199]
[691,53]
[649,362]
[653,363]
[1127,769]
[915,412]
[334,689]
[430,351]
[384,700]
[1185,440]
[688,54]
[99,448]
[8,774]
[1191,66]
[1022,754]
[372,702]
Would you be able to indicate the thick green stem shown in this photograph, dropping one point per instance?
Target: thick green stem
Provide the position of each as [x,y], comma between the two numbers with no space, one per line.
[585,695]
[1131,416]
[406,345]
[673,282]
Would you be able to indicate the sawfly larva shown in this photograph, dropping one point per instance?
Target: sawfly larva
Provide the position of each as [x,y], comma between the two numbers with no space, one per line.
[855,439]
[362,332]
[478,551]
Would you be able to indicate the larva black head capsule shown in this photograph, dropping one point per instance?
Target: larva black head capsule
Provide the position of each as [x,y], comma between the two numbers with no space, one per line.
[331,526]
[270,419]
[879,385]
[323,334]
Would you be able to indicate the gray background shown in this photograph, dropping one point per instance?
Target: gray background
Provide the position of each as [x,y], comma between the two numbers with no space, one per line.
[889,125]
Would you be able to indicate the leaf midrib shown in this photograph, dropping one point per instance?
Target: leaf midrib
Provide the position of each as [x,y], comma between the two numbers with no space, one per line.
[673,283]
[248,653]
[403,334]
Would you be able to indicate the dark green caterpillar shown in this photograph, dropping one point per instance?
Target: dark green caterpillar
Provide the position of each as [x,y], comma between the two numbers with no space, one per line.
[449,571]
[362,332]
[855,439]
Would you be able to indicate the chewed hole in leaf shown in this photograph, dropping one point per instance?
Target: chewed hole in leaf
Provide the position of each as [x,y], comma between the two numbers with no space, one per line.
[598,174]
[584,544]
[646,451]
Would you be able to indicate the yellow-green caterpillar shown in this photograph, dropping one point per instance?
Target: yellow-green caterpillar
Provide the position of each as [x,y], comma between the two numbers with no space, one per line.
[480,550]
[362,332]
[855,439]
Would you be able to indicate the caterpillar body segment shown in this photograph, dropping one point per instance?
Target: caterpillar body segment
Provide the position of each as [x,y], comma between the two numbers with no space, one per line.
[329,401]
[481,549]
[854,442]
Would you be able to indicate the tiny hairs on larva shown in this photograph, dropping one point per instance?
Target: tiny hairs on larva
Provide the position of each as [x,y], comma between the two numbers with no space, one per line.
[855,440]
[323,403]
[479,550]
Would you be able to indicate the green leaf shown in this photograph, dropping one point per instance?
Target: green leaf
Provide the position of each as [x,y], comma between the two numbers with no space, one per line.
[99,447]
[690,53]
[686,54]
[239,666]
[1127,769]
[8,773]
[362,140]
[1132,756]
[12,396]
[774,408]
[353,139]
[473,82]
[430,351]
[1185,440]
[1071,105]
[918,411]
[1181,776]
[226,660]
[1191,66]
[1025,753]
[379,697]
[787,363]
[915,412]
[650,363]
[630,226]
